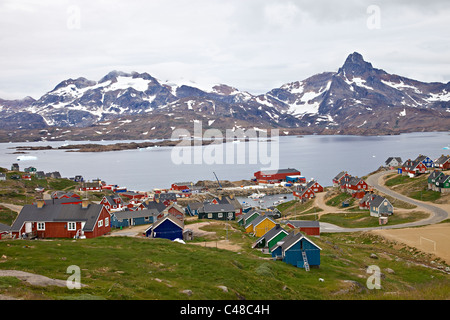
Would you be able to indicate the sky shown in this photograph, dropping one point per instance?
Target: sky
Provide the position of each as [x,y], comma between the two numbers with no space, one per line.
[252,45]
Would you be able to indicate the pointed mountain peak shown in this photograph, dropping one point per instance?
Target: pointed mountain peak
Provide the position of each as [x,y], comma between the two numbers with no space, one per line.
[355,65]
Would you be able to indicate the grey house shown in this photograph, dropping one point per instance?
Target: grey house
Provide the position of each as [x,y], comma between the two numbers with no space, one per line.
[380,206]
[393,162]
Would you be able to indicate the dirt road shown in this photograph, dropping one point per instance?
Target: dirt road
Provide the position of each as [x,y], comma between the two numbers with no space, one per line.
[438,212]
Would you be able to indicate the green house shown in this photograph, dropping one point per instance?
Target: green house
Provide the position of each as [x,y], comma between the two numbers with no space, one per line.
[217,212]
[443,183]
[248,217]
[270,238]
[30,170]
[432,179]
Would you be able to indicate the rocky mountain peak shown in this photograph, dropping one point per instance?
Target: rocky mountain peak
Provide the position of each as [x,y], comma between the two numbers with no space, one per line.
[355,65]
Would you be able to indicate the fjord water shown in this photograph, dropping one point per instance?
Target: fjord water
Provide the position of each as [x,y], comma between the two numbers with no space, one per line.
[318,157]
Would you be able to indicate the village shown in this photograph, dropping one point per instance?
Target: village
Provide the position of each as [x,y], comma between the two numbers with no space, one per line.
[171,213]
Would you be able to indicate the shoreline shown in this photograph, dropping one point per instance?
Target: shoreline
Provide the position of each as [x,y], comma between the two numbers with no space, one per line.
[94,146]
[292,133]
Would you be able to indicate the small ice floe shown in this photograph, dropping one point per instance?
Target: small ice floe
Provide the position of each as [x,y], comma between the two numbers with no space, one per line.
[26,158]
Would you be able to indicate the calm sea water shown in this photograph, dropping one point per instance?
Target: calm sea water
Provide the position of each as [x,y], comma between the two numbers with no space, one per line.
[318,157]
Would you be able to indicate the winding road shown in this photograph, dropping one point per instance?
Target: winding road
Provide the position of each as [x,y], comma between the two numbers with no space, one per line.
[438,214]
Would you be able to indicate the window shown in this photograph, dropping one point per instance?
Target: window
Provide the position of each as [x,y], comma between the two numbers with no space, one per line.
[230,215]
[41,226]
[71,226]
[220,215]
[209,215]
[100,223]
[106,222]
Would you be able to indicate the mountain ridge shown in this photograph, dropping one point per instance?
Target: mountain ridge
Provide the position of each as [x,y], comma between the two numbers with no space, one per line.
[357,98]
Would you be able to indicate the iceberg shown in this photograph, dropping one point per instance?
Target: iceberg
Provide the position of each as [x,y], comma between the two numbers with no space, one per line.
[26,158]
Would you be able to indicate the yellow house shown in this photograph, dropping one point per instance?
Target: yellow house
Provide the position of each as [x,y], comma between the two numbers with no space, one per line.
[260,226]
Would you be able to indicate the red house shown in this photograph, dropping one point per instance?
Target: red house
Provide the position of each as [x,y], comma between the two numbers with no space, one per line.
[356,184]
[112,203]
[364,203]
[179,186]
[314,186]
[414,168]
[337,180]
[175,211]
[311,228]
[61,221]
[90,186]
[133,195]
[276,175]
[303,193]
[443,162]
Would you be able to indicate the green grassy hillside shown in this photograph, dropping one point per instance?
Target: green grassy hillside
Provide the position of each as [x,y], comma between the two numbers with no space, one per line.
[133,268]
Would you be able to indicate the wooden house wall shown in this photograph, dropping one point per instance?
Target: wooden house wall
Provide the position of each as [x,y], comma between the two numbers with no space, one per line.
[294,254]
[168,230]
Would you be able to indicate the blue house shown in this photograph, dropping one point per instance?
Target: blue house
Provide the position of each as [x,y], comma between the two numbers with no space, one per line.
[167,228]
[130,218]
[425,160]
[297,250]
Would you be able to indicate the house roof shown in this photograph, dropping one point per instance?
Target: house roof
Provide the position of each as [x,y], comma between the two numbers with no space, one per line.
[340,175]
[421,158]
[304,223]
[155,207]
[166,196]
[442,178]
[129,214]
[195,205]
[249,214]
[269,235]
[399,160]
[258,220]
[221,207]
[354,181]
[58,213]
[4,227]
[377,201]
[227,199]
[442,159]
[280,243]
[435,174]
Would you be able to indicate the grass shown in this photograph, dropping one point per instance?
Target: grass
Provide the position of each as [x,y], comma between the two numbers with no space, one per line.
[337,200]
[397,179]
[7,216]
[416,188]
[425,195]
[362,218]
[130,268]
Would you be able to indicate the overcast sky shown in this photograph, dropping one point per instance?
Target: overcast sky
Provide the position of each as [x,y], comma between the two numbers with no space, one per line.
[253,45]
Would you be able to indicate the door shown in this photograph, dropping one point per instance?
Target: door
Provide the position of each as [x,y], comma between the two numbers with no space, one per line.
[28,227]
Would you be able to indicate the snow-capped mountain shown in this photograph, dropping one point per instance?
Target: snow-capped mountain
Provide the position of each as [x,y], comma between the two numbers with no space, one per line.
[362,96]
[358,98]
